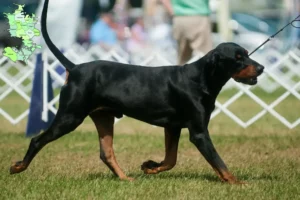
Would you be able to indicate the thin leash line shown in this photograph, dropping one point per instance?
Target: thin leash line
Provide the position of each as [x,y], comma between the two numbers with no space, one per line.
[272,36]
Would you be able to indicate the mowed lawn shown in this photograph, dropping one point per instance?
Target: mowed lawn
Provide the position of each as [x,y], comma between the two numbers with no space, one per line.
[266,155]
[266,158]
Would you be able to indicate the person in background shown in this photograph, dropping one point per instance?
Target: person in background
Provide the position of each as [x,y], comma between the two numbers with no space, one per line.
[191,26]
[102,31]
[137,41]
[66,20]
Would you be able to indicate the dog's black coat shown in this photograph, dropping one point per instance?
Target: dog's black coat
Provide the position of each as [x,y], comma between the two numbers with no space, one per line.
[171,96]
[163,96]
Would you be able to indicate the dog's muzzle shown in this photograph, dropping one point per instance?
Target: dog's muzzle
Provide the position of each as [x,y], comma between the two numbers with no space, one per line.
[251,80]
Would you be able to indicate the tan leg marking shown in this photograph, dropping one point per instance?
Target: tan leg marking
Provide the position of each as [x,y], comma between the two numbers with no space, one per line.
[227,177]
[67,76]
[104,123]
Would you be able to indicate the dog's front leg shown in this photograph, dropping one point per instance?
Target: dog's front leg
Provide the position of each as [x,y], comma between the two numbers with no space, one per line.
[199,136]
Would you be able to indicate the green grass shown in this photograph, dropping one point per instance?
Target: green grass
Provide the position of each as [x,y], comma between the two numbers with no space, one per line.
[265,155]
[69,168]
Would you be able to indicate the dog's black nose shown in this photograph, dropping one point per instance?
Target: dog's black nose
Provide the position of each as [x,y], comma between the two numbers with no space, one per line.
[260,69]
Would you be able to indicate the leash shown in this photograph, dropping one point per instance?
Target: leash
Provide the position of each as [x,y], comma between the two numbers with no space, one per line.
[297,19]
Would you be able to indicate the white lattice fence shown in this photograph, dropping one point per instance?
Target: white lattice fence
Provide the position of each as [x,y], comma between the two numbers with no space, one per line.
[15,79]
[278,87]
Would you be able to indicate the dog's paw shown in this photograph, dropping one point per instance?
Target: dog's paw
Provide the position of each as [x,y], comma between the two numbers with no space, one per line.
[150,164]
[150,167]
[17,167]
[151,171]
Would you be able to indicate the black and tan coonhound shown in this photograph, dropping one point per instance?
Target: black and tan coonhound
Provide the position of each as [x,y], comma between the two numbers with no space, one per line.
[173,97]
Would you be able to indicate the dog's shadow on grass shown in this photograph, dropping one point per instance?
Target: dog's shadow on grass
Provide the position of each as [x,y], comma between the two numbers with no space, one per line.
[101,175]
[183,176]
[164,176]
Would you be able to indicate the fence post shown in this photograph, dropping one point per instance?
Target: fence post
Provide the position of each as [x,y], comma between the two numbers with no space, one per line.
[41,85]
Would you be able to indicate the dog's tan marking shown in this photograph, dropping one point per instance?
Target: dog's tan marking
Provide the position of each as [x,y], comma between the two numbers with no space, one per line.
[248,72]
[227,177]
[67,76]
[17,167]
[104,123]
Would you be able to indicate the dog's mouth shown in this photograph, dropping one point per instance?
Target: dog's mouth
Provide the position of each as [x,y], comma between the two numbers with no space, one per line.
[248,81]
[252,79]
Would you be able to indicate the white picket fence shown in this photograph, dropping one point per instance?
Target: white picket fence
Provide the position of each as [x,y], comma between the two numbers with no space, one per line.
[282,71]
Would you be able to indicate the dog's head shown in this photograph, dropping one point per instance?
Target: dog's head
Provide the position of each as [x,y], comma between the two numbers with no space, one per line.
[236,62]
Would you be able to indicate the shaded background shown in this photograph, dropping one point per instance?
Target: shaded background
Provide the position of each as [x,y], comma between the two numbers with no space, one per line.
[250,21]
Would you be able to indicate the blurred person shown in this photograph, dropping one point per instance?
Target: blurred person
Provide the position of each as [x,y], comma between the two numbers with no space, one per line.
[160,33]
[66,20]
[137,41]
[106,32]
[102,31]
[191,26]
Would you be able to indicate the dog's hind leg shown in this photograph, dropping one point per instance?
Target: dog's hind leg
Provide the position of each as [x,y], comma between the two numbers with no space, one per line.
[104,122]
[62,124]
[172,136]
[69,116]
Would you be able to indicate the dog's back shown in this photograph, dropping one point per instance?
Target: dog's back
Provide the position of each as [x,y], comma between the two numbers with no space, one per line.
[136,91]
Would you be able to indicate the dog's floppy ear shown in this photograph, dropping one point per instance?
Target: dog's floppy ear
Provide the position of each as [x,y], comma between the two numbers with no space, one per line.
[214,60]
[215,57]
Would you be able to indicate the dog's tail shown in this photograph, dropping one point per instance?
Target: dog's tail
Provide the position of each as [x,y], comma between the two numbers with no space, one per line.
[65,61]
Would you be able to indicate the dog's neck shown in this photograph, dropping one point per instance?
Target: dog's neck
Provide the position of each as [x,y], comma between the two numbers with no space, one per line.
[210,77]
